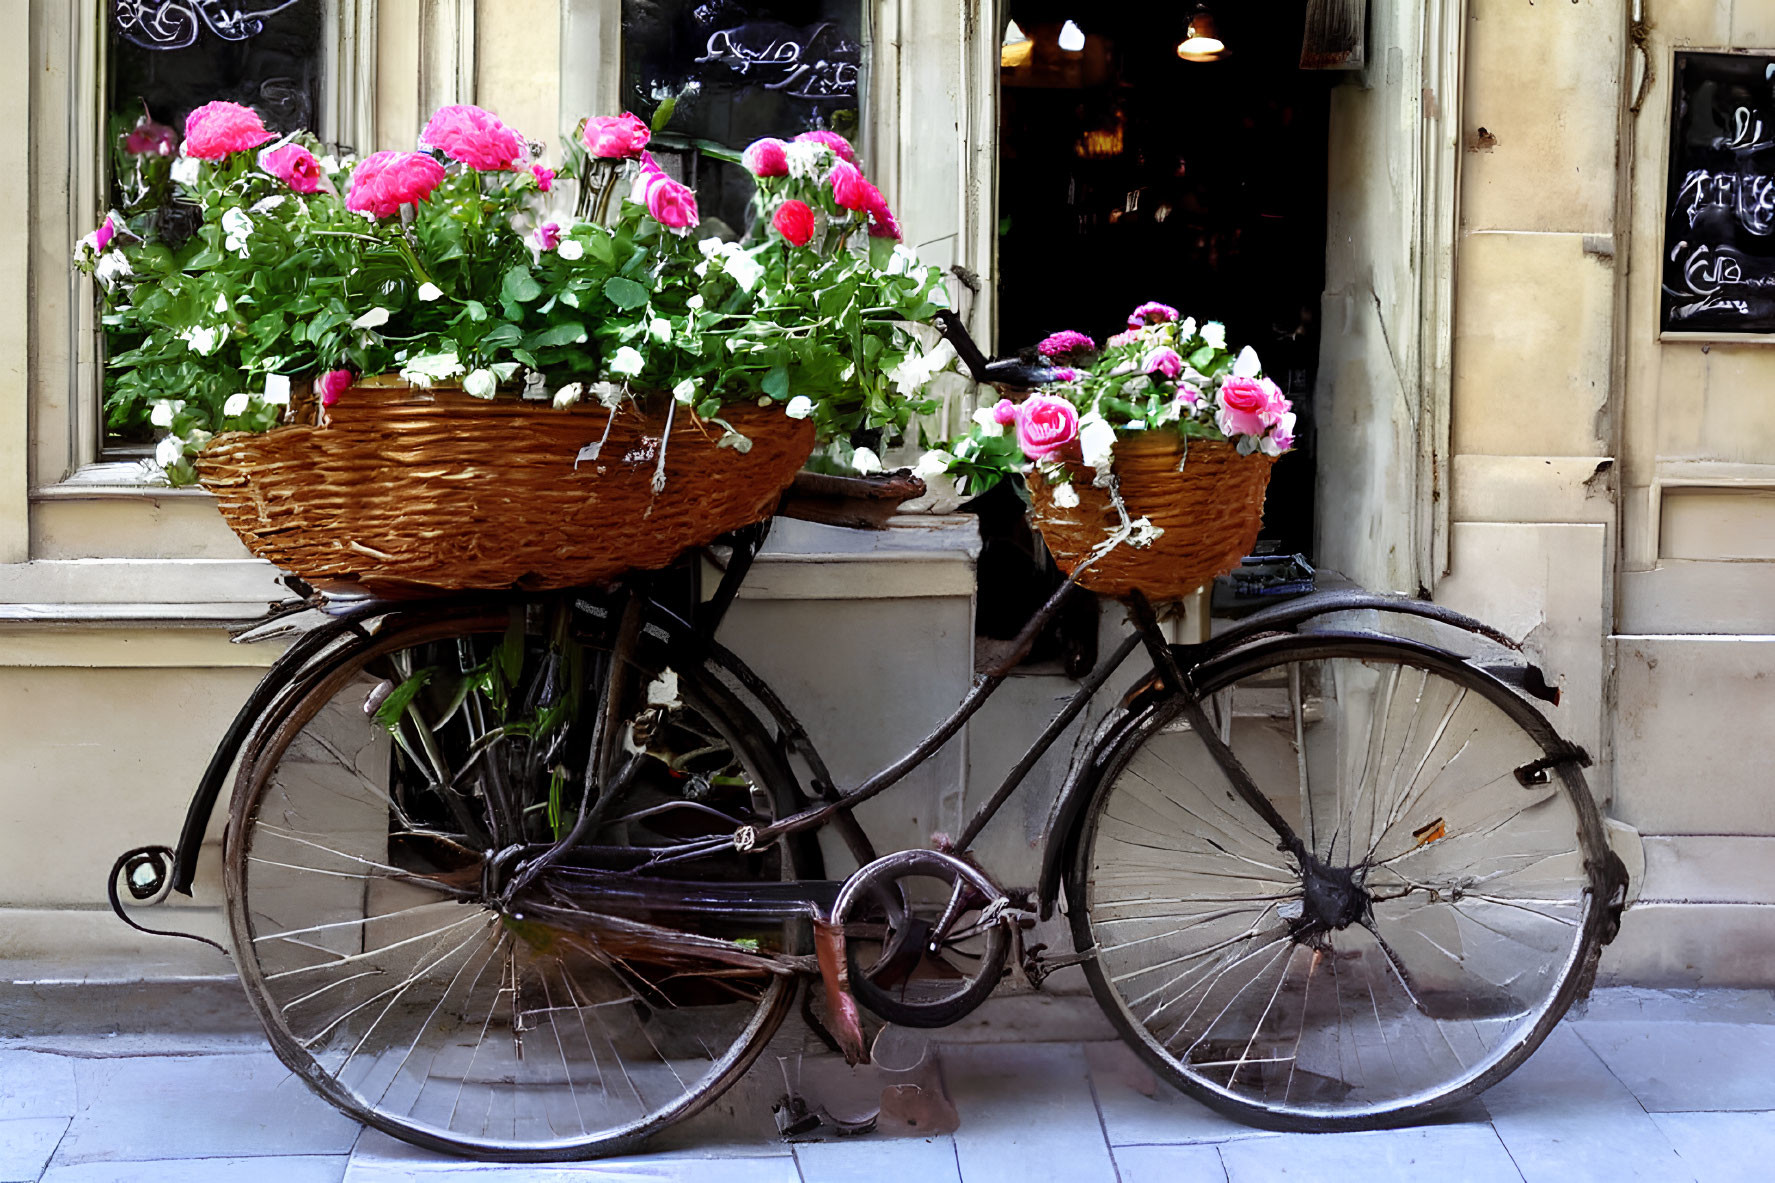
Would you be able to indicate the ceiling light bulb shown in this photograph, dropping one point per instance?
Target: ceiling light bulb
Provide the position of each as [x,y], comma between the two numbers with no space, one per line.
[1072,38]
[1201,39]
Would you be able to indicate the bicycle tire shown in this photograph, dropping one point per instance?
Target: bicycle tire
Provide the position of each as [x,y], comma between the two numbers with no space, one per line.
[309,809]
[1175,883]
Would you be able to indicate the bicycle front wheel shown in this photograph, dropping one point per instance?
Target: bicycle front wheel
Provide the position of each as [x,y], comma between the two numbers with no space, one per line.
[380,820]
[1443,922]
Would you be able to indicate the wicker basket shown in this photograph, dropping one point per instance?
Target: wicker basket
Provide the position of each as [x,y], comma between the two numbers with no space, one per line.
[405,490]
[1210,509]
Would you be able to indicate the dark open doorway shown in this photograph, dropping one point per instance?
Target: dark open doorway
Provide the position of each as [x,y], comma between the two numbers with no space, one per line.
[1128,174]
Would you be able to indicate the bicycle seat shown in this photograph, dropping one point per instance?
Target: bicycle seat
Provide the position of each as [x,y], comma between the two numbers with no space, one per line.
[862,503]
[1019,374]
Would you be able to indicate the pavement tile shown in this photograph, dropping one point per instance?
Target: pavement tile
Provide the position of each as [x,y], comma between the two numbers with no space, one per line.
[1027,1115]
[1447,1154]
[26,1144]
[873,1160]
[1566,1119]
[379,1158]
[35,1084]
[1168,1164]
[1673,1067]
[1722,1147]
[1138,1108]
[314,1168]
[224,1106]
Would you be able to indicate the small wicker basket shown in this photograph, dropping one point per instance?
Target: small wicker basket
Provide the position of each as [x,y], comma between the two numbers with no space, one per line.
[1208,501]
[405,490]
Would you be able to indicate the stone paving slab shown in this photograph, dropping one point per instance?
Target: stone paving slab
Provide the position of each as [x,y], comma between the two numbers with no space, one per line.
[282,1169]
[1445,1153]
[26,1144]
[1676,1067]
[878,1160]
[1027,1115]
[1723,1147]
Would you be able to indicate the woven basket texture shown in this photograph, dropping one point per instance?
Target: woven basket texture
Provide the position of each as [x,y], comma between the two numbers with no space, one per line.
[405,490]
[1210,510]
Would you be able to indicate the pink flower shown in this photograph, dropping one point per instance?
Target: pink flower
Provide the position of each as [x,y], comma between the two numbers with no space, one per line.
[1005,413]
[1189,396]
[545,177]
[849,189]
[101,238]
[1046,426]
[833,141]
[882,223]
[1281,439]
[546,237]
[1151,312]
[216,129]
[1250,406]
[1164,361]
[672,205]
[615,137]
[295,166]
[1064,342]
[332,384]
[385,181]
[766,158]
[474,137]
[795,222]
[1065,374]
[148,138]
[1127,338]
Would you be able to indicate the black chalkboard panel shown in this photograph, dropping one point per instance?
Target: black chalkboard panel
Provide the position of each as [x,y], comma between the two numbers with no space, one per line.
[1719,220]
[742,69]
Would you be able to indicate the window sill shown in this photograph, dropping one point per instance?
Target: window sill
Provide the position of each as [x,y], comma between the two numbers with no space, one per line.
[113,479]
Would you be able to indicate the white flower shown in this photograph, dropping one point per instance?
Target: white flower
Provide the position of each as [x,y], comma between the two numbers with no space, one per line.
[428,368]
[1065,496]
[221,303]
[916,370]
[185,171]
[1097,439]
[710,247]
[685,391]
[807,159]
[1143,533]
[237,227]
[1272,444]
[164,410]
[660,329]
[237,404]
[1186,328]
[745,270]
[112,267]
[800,407]
[695,301]
[568,395]
[986,419]
[277,389]
[329,164]
[933,463]
[375,318]
[1247,366]
[1214,333]
[610,394]
[627,360]
[266,204]
[865,461]
[203,339]
[571,249]
[430,291]
[169,451]
[902,261]
[480,383]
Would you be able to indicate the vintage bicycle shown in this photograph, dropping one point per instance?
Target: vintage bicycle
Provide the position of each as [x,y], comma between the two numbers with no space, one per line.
[534,876]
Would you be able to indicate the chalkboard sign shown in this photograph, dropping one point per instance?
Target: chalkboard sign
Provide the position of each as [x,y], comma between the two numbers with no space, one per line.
[1719,220]
[739,70]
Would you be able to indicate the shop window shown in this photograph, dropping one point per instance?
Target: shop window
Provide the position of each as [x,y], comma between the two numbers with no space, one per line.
[163,58]
[735,71]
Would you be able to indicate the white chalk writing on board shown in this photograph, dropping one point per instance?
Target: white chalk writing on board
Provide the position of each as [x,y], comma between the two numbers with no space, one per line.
[175,24]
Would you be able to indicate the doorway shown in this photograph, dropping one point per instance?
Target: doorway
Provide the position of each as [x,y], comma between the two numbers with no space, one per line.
[1128,174]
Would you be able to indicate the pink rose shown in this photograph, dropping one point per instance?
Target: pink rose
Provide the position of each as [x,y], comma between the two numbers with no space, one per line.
[385,181]
[101,238]
[833,141]
[766,158]
[546,237]
[849,189]
[216,129]
[1064,342]
[672,205]
[332,384]
[1249,406]
[1163,361]
[882,223]
[1151,312]
[545,177]
[295,166]
[1005,413]
[148,138]
[1046,426]
[615,137]
[795,222]
[474,137]
[1189,396]
[1065,374]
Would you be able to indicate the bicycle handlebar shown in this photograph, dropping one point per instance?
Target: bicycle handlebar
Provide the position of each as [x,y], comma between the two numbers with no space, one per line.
[1004,371]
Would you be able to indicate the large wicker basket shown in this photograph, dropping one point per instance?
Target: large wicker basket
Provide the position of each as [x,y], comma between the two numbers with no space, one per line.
[406,490]
[1209,502]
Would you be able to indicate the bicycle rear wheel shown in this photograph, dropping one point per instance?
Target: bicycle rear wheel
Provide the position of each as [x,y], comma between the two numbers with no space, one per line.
[377,818]
[1450,911]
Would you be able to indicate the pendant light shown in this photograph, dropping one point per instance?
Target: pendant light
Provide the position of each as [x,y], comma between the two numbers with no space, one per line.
[1072,38]
[1016,48]
[1201,39]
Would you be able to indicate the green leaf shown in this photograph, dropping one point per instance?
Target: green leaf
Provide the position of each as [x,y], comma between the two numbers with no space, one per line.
[520,285]
[662,114]
[476,310]
[567,332]
[776,383]
[1202,358]
[624,293]
[509,657]
[395,706]
[880,251]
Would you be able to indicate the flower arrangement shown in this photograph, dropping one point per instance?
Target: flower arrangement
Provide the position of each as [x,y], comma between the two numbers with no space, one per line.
[1163,374]
[471,262]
